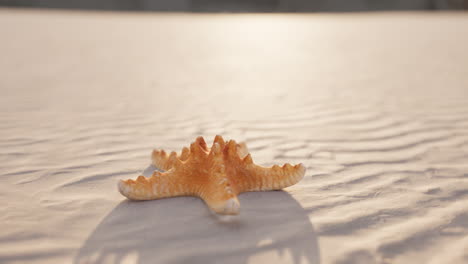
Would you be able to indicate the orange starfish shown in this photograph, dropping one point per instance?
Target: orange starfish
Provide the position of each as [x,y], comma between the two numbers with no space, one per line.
[216,175]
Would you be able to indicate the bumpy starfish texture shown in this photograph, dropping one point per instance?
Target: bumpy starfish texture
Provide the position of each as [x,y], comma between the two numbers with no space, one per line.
[162,160]
[216,175]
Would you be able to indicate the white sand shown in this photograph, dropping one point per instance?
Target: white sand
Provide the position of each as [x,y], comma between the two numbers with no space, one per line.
[375,105]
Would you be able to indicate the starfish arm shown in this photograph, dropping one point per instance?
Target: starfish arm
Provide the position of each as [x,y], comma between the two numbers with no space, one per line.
[218,192]
[258,178]
[159,185]
[221,202]
[161,160]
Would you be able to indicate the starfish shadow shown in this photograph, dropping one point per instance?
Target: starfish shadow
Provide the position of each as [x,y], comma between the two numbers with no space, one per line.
[272,227]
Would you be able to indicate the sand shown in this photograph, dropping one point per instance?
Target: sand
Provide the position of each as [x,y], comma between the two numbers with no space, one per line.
[375,106]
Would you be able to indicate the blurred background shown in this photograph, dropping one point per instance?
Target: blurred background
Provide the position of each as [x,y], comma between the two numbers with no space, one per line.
[244,5]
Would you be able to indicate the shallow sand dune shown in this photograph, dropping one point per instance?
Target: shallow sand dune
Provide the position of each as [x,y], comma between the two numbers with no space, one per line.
[375,106]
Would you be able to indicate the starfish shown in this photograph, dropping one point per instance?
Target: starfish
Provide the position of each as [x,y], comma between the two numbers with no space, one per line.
[216,175]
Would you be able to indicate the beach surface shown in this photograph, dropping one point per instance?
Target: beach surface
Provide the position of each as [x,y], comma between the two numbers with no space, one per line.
[374,105]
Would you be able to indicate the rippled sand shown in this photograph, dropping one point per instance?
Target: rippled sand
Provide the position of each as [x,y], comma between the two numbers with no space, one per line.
[375,105]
